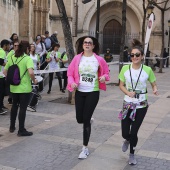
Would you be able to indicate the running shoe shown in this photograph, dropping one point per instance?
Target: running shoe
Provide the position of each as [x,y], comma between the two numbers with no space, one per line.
[125,146]
[84,153]
[132,159]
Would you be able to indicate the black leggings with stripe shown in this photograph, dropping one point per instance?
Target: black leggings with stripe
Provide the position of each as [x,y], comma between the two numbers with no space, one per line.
[130,128]
[85,103]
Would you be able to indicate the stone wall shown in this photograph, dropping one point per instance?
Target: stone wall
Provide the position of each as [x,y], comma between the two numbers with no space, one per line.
[9,18]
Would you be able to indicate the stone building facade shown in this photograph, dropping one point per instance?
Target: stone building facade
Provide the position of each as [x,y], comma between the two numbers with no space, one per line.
[31,17]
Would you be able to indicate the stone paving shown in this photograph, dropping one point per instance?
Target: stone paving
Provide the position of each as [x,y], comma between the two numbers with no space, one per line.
[57,139]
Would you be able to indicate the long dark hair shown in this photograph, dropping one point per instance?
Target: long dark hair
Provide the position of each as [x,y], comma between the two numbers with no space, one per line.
[22,48]
[79,44]
[12,36]
[30,48]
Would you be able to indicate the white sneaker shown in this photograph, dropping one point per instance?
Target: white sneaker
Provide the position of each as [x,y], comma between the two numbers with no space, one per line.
[92,120]
[84,153]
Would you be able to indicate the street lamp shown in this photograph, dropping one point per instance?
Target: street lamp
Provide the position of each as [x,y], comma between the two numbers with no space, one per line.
[169,36]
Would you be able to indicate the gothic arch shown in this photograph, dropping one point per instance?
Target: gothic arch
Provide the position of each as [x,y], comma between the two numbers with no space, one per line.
[92,10]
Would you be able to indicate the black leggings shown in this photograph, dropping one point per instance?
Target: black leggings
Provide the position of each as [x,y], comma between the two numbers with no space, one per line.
[51,80]
[21,100]
[2,91]
[85,103]
[130,128]
[65,79]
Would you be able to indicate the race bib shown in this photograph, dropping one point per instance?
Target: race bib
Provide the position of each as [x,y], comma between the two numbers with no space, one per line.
[87,79]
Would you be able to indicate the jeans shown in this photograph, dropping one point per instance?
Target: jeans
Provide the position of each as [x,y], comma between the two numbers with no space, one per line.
[21,100]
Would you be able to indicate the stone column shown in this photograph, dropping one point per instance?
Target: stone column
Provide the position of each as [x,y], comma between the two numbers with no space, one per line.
[24,21]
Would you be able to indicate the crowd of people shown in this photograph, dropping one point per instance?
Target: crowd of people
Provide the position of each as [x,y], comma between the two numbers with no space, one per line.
[41,54]
[87,75]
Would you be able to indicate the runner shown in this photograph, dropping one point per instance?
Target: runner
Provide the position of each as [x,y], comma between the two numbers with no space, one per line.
[133,83]
[87,74]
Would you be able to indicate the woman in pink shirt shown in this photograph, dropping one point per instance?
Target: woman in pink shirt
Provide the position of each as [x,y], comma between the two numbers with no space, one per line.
[87,74]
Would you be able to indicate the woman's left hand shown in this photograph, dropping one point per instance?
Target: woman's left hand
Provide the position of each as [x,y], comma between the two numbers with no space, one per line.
[155,91]
[102,79]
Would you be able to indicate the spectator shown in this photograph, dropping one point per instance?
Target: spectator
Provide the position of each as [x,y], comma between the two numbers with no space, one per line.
[21,92]
[125,54]
[5,45]
[47,41]
[10,54]
[54,39]
[53,58]
[165,55]
[39,47]
[14,37]
[108,56]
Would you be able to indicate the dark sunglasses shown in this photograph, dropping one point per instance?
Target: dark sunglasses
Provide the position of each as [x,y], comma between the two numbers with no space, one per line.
[16,45]
[87,43]
[137,55]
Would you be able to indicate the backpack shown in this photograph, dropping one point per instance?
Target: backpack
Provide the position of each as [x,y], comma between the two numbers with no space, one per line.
[13,74]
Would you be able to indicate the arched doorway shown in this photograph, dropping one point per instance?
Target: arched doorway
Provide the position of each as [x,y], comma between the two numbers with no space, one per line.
[112,36]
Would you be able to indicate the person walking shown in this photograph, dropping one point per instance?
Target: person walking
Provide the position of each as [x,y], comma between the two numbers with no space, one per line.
[87,74]
[53,58]
[5,46]
[21,92]
[133,83]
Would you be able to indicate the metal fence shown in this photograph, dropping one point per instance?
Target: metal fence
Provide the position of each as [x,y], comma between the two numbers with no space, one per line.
[113,41]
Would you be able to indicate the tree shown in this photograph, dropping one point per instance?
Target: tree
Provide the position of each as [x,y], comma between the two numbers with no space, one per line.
[66,29]
[162,6]
[67,36]
[124,6]
[144,20]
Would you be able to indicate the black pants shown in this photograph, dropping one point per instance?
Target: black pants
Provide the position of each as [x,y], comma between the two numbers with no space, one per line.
[51,80]
[85,103]
[65,79]
[130,128]
[2,91]
[21,100]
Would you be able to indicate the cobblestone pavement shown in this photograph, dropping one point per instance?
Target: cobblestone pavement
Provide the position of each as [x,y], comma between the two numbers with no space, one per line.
[57,139]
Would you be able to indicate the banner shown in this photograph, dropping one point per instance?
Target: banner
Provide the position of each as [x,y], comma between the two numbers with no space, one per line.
[148,32]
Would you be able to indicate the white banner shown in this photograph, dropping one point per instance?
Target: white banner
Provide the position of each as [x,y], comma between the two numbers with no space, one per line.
[148,32]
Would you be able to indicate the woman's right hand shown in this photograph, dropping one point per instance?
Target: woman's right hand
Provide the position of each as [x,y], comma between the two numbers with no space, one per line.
[36,81]
[131,94]
[74,86]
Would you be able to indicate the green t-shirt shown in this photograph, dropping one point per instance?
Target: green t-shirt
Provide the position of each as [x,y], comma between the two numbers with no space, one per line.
[2,56]
[10,54]
[146,75]
[24,64]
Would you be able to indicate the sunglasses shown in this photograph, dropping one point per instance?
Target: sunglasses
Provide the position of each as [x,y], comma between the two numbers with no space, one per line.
[16,45]
[137,55]
[87,43]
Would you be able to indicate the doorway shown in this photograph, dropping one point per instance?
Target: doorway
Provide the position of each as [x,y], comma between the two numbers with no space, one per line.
[112,36]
